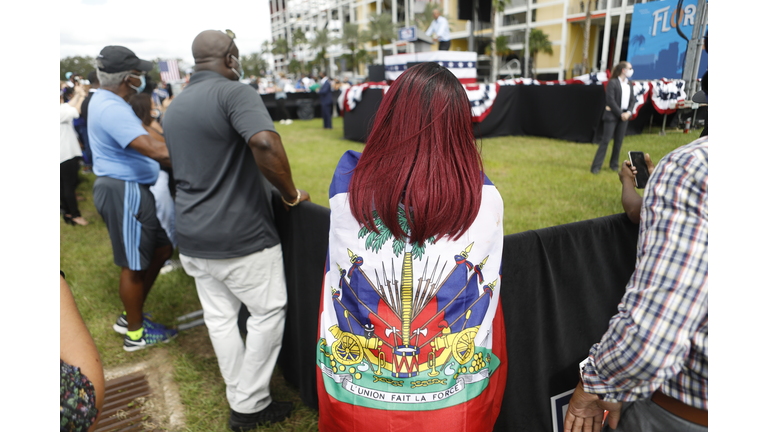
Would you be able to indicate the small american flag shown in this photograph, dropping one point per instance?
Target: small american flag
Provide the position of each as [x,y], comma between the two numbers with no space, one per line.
[169,71]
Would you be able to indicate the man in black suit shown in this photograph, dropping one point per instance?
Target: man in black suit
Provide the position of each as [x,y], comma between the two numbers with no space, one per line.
[326,100]
[619,101]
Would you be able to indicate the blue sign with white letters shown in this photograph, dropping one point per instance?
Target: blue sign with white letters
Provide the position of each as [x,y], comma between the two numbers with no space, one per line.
[655,49]
[407,34]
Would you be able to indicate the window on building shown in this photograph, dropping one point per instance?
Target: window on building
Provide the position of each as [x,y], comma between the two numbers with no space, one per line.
[517,37]
[512,19]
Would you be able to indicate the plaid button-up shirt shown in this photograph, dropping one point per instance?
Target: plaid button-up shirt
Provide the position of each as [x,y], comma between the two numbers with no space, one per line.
[659,338]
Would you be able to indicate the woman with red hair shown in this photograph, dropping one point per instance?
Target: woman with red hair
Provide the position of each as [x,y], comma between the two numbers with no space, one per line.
[411,334]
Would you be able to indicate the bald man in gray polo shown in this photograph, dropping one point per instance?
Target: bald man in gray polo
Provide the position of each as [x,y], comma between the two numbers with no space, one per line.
[220,138]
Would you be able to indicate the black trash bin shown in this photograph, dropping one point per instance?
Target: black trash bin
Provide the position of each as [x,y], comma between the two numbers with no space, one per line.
[305,109]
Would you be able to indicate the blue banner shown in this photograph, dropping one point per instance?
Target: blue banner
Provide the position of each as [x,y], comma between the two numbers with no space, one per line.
[656,50]
[407,34]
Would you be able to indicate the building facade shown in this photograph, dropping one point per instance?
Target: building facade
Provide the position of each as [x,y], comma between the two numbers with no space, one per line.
[563,21]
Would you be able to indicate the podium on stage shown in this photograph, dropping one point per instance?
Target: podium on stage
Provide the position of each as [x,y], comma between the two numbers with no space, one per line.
[463,64]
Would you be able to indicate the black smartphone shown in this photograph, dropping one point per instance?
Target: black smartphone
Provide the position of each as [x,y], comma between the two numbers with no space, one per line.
[637,159]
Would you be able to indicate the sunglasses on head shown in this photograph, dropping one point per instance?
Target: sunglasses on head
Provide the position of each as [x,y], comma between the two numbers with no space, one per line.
[231,34]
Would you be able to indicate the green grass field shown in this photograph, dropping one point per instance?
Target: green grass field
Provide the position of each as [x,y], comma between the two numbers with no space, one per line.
[543,182]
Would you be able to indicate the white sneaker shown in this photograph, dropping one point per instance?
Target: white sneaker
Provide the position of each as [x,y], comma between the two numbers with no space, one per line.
[289,121]
[170,266]
[282,121]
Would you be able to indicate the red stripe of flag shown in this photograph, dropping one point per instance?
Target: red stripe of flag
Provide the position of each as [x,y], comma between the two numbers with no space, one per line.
[172,71]
[476,415]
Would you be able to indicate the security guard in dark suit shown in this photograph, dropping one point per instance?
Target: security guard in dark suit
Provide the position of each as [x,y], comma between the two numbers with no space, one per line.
[326,100]
[619,101]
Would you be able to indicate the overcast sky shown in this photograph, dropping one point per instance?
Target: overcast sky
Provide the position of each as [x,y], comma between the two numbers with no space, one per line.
[165,30]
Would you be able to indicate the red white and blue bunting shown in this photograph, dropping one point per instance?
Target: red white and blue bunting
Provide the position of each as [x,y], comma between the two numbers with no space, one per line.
[481,98]
[348,99]
[642,90]
[664,94]
[593,78]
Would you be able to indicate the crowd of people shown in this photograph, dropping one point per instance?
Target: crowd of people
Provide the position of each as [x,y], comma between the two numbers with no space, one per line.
[302,83]
[199,179]
[280,85]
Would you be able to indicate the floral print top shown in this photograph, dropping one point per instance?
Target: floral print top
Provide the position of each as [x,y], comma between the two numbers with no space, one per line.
[77,406]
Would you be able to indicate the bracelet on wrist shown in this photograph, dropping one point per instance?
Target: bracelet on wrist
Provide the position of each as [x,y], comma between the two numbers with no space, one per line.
[295,203]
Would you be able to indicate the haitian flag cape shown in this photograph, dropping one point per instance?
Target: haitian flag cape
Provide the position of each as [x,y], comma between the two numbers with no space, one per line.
[411,337]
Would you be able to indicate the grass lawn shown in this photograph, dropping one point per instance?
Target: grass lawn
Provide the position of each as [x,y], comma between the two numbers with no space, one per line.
[543,182]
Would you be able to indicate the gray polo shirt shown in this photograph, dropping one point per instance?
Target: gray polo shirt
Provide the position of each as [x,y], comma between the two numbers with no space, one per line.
[222,206]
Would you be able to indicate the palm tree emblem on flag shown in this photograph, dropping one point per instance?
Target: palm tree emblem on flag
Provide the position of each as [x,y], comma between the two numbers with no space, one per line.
[420,329]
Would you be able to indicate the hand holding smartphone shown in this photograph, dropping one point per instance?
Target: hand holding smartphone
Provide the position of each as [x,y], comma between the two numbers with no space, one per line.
[637,159]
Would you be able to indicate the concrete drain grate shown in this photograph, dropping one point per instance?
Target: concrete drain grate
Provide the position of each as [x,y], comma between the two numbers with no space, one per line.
[125,399]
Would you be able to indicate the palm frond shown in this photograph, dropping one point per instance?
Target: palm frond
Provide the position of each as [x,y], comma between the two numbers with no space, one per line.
[397,247]
[363,232]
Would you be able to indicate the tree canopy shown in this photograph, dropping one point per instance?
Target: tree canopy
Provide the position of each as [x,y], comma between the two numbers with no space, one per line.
[381,28]
[502,50]
[299,37]
[254,64]
[294,66]
[77,65]
[538,41]
[352,38]
[281,47]
[321,42]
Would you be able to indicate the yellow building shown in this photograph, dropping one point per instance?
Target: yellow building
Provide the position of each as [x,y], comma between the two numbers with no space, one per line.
[562,21]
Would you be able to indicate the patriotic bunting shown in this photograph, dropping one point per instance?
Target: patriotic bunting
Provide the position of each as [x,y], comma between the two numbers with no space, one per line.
[481,98]
[664,94]
[348,100]
[642,90]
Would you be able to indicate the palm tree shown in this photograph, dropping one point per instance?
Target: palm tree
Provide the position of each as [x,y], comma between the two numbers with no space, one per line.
[497,5]
[265,47]
[320,42]
[362,56]
[538,42]
[585,48]
[281,47]
[639,40]
[253,64]
[381,28]
[500,46]
[351,38]
[375,241]
[295,66]
[300,39]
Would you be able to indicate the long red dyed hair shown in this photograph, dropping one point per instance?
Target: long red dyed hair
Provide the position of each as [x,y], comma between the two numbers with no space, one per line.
[421,153]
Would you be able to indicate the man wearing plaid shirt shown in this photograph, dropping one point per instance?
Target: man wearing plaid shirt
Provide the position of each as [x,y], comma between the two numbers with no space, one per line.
[650,369]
